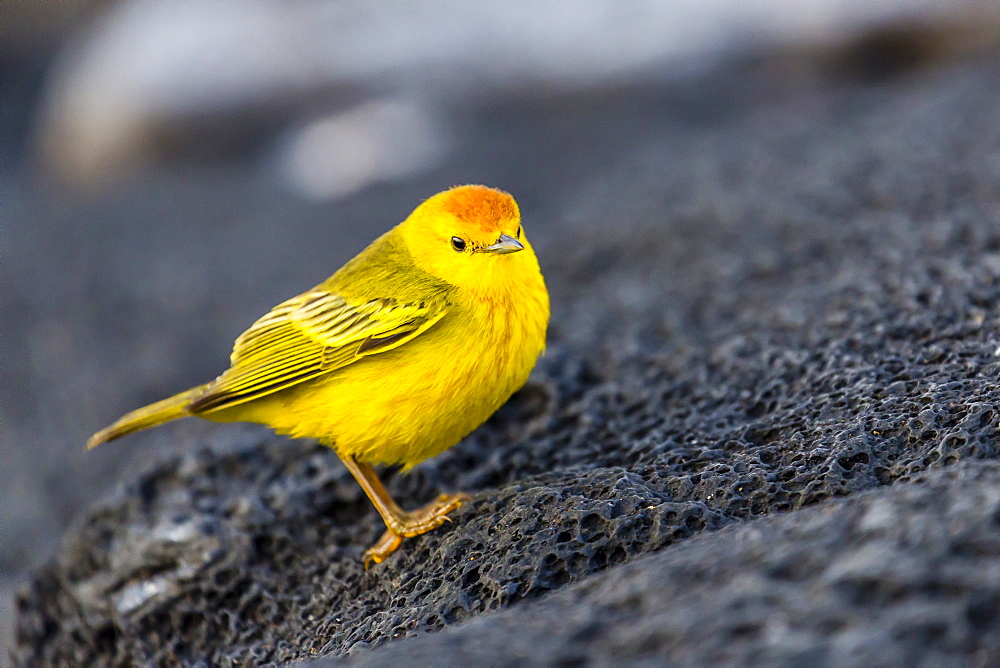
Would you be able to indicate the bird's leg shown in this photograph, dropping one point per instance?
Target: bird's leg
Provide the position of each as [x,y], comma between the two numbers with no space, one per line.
[399,523]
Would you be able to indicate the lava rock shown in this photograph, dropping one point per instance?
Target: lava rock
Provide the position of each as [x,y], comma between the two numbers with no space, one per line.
[906,575]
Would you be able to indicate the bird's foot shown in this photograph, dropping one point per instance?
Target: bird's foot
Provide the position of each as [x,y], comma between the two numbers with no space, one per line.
[408,524]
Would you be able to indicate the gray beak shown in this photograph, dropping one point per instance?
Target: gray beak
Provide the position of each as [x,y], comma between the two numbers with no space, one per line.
[506,244]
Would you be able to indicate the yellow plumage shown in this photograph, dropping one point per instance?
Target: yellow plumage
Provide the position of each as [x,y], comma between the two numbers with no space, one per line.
[406,349]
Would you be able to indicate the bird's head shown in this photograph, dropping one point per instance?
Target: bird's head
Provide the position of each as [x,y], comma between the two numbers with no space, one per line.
[471,237]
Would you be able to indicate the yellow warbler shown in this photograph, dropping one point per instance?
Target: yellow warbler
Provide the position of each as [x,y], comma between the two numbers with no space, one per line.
[394,358]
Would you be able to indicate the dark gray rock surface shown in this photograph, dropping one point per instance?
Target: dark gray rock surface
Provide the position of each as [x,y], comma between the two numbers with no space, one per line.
[908,575]
[763,300]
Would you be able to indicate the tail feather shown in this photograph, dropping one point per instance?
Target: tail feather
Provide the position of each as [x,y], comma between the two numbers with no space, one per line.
[152,415]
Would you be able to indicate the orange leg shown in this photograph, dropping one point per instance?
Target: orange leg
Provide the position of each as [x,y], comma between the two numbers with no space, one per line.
[399,523]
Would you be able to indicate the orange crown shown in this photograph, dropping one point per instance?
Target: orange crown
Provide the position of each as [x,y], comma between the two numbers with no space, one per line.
[484,207]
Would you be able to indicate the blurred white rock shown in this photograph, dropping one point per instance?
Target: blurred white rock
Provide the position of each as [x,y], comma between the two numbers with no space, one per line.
[337,155]
[147,68]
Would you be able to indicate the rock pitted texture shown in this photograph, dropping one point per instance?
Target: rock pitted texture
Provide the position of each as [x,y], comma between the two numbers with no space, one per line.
[906,576]
[756,314]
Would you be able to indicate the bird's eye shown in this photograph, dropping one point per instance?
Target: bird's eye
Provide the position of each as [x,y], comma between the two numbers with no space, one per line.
[458,243]
[518,231]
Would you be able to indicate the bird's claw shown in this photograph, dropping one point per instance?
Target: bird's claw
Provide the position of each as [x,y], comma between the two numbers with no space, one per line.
[412,524]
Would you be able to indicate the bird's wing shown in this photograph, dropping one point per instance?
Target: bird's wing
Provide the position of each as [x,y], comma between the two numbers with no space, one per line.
[310,335]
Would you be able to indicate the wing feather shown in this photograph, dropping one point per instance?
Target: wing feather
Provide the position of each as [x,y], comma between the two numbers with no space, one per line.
[311,335]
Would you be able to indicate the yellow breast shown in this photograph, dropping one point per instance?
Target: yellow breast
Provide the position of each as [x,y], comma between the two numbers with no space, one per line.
[412,403]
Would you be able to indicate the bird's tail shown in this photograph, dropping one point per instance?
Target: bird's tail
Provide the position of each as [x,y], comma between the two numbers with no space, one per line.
[152,415]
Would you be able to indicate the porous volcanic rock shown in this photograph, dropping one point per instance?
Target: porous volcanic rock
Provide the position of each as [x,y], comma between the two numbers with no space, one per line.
[905,575]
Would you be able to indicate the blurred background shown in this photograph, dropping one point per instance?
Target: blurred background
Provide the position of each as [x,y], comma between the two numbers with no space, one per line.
[170,170]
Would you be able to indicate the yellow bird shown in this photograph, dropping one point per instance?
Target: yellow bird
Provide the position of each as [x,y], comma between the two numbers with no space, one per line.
[396,357]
